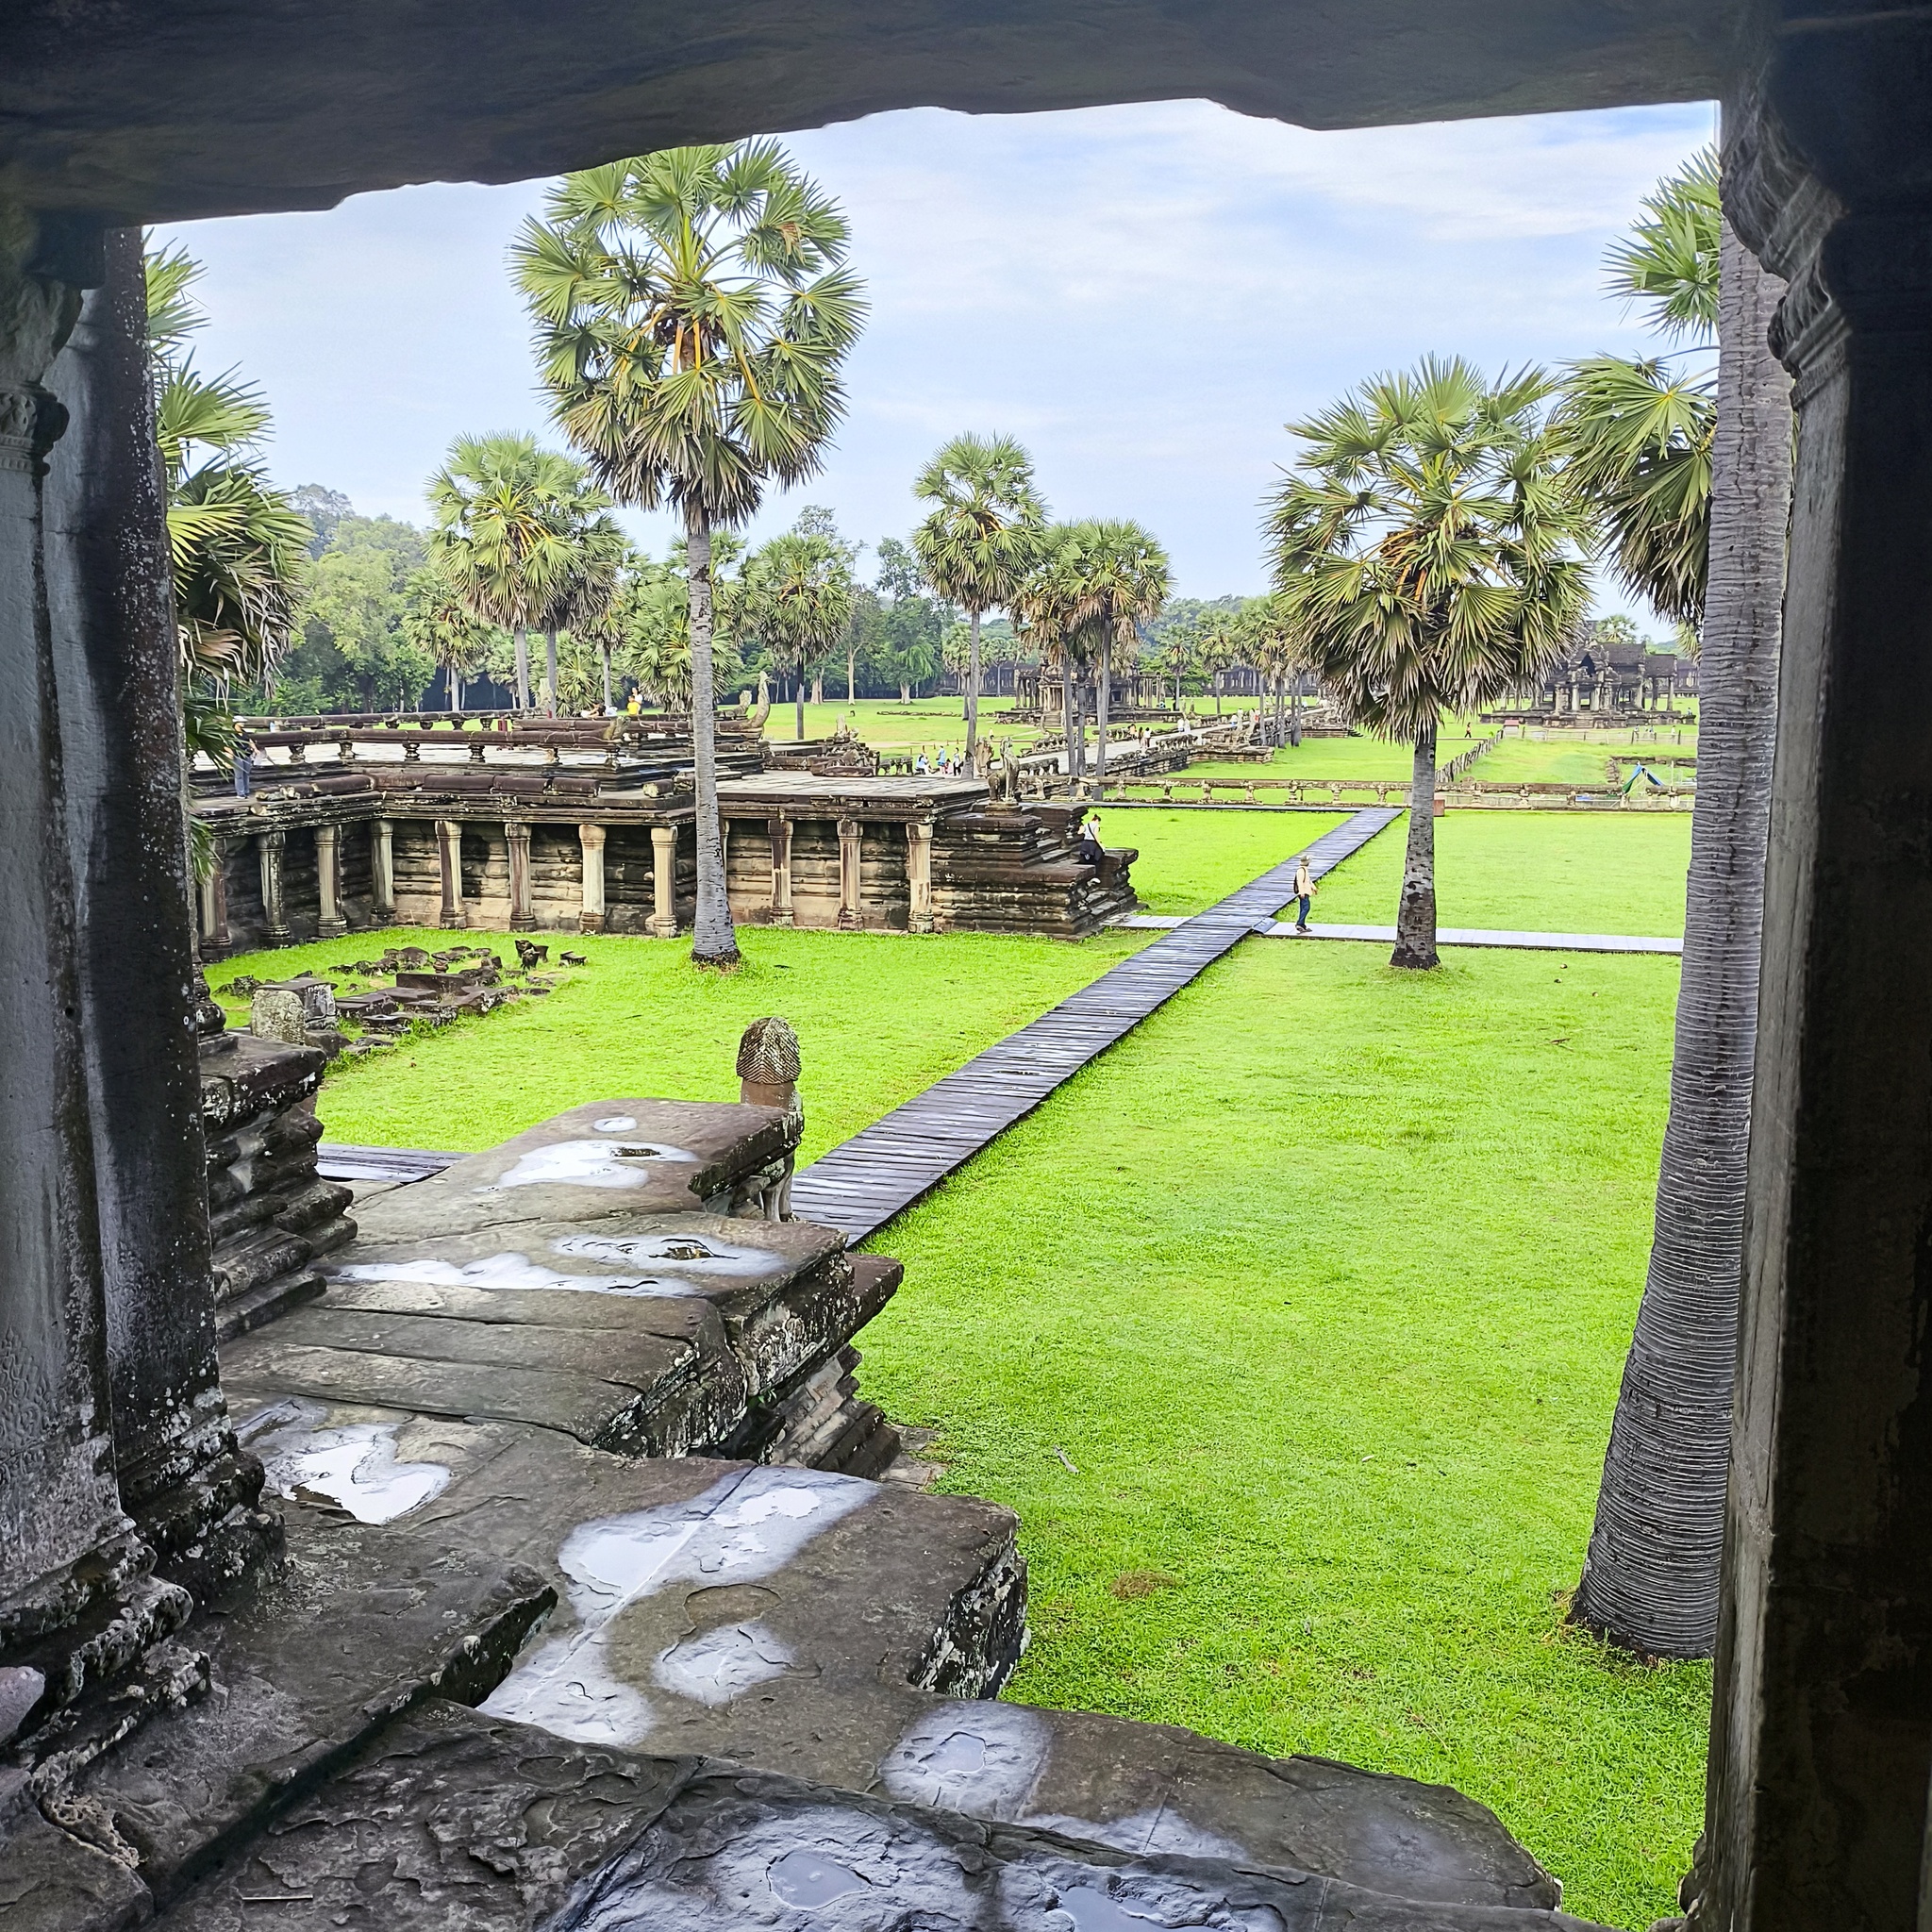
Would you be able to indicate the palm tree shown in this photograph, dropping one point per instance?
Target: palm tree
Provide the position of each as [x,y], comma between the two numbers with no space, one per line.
[798,599]
[1426,556]
[1120,575]
[239,549]
[1217,647]
[507,523]
[1045,606]
[979,539]
[1180,654]
[692,311]
[582,605]
[440,622]
[1650,1581]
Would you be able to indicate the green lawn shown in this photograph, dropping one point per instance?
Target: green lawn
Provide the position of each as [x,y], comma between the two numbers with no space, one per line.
[1333,757]
[1530,872]
[1189,860]
[1322,1281]
[1569,758]
[886,726]
[879,1017]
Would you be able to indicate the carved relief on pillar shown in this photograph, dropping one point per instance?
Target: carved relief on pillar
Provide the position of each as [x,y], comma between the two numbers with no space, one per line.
[663,920]
[31,423]
[215,937]
[1821,1731]
[919,875]
[523,913]
[851,857]
[268,847]
[780,830]
[328,878]
[590,918]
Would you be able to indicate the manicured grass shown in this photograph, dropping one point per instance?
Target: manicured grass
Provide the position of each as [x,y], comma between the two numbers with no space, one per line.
[1333,757]
[1189,860]
[1528,871]
[889,727]
[879,1017]
[1571,759]
[1322,1280]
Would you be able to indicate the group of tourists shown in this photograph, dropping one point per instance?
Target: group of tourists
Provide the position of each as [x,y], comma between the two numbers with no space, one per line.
[945,762]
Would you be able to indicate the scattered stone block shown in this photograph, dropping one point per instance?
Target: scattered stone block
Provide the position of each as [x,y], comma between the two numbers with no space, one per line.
[573,958]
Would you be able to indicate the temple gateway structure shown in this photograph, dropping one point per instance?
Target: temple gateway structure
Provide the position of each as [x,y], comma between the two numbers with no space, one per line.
[334,1698]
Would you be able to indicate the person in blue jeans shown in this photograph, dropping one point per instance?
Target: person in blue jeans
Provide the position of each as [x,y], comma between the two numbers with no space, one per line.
[244,766]
[1304,893]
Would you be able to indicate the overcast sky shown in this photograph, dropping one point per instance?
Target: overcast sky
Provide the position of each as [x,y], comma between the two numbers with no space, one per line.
[1142,295]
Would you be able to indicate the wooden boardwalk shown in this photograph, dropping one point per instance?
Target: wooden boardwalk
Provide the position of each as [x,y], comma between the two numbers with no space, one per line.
[860,1184]
[1456,935]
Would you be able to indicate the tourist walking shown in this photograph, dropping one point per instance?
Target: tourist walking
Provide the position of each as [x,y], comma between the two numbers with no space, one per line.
[244,764]
[1303,892]
[1091,853]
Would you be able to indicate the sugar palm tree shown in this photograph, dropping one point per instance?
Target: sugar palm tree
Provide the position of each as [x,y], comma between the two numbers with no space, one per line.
[508,520]
[1180,647]
[582,604]
[1425,555]
[798,599]
[1046,609]
[439,621]
[1650,1581]
[1217,647]
[1120,577]
[692,311]
[979,539]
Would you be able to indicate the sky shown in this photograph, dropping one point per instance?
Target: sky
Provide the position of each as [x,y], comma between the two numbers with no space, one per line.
[1144,295]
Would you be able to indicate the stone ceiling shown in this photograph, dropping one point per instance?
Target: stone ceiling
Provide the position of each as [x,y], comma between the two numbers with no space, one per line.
[149,110]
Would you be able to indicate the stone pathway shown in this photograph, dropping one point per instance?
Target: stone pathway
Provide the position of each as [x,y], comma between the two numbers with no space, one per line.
[862,1183]
[1456,936]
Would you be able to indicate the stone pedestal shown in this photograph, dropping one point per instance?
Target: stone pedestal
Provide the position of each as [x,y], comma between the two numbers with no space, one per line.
[781,870]
[850,851]
[449,854]
[663,922]
[330,882]
[590,918]
[268,847]
[919,875]
[516,836]
[382,870]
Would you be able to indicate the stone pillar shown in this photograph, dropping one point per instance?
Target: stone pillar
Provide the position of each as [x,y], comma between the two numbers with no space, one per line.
[523,915]
[919,875]
[214,903]
[382,870]
[1822,1725]
[449,853]
[850,850]
[591,918]
[330,882]
[780,830]
[663,920]
[268,847]
[59,1501]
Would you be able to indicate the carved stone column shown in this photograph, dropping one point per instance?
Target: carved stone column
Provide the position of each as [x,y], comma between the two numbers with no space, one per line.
[780,830]
[268,847]
[663,920]
[591,918]
[329,877]
[851,852]
[1822,1729]
[382,870]
[449,854]
[523,915]
[59,1504]
[214,905]
[919,875]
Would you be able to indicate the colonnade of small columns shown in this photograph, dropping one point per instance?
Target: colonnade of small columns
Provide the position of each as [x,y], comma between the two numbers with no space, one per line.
[270,845]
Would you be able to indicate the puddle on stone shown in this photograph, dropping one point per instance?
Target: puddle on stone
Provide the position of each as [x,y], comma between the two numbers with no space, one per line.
[686,1254]
[353,1465]
[804,1878]
[743,1528]
[617,1123]
[714,1666]
[975,1756]
[590,1164]
[509,1271]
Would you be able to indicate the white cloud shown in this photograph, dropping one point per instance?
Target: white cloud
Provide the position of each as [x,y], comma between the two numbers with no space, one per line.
[1144,295]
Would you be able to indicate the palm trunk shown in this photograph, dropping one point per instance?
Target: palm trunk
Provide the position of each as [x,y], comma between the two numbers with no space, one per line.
[798,699]
[1650,1581]
[522,669]
[1103,694]
[904,693]
[851,680]
[1415,918]
[1294,717]
[1217,695]
[456,689]
[550,673]
[609,704]
[973,699]
[713,942]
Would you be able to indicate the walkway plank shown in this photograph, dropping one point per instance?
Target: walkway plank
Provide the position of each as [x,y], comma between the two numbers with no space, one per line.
[860,1185]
